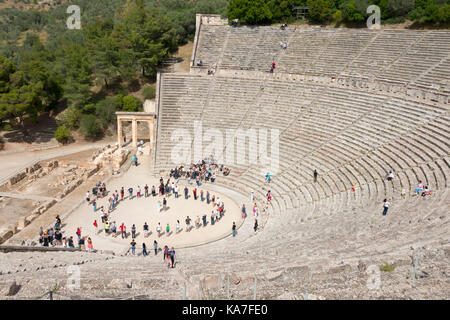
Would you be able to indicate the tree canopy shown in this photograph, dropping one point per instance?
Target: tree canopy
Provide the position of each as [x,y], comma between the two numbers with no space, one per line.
[339,11]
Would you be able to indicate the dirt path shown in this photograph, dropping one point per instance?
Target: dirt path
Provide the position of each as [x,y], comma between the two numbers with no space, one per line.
[13,162]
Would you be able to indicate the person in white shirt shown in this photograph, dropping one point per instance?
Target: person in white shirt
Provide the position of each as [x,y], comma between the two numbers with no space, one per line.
[176,191]
[390,175]
[386,204]
[158,229]
[158,207]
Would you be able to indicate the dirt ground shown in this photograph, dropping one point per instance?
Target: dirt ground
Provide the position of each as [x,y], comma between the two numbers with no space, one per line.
[185,53]
[11,210]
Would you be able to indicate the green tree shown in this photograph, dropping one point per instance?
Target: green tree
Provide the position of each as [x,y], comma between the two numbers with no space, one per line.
[249,11]
[62,134]
[320,10]
[74,63]
[430,11]
[351,13]
[131,104]
[71,117]
[444,14]
[105,111]
[89,126]
[149,92]
[6,69]
[106,59]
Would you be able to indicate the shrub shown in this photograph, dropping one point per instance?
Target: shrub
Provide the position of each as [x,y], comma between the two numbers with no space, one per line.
[444,14]
[131,104]
[105,110]
[249,11]
[89,126]
[387,267]
[149,92]
[7,127]
[71,117]
[320,10]
[62,134]
[353,13]
[89,108]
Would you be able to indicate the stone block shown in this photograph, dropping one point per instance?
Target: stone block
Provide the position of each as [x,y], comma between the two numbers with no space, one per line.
[211,281]
[5,235]
[10,288]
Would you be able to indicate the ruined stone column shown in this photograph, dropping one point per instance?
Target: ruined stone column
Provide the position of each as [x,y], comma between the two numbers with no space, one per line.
[119,132]
[134,132]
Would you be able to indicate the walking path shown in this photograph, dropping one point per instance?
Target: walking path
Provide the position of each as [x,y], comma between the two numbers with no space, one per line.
[15,162]
[26,196]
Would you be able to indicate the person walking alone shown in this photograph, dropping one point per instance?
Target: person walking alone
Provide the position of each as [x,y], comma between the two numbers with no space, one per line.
[386,204]
[233,229]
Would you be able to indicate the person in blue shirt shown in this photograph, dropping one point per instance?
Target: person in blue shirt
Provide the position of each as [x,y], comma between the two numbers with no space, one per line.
[172,257]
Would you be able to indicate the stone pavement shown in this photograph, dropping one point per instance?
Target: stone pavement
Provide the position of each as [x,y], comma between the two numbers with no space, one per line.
[138,211]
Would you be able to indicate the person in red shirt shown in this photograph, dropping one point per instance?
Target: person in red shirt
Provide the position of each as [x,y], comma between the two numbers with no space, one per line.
[96,226]
[123,230]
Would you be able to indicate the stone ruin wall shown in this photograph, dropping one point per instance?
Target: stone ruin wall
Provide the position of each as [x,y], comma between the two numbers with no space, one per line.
[72,177]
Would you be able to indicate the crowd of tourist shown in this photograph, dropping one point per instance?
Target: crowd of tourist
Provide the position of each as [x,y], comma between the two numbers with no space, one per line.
[205,170]
[165,189]
[54,237]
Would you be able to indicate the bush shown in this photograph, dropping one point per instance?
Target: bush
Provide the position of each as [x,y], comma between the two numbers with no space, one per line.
[71,117]
[387,267]
[249,11]
[89,108]
[131,104]
[353,13]
[89,126]
[62,134]
[149,92]
[444,14]
[7,127]
[105,111]
[320,10]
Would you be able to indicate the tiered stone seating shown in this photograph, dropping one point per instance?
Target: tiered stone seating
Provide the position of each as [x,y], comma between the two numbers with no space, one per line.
[413,58]
[319,237]
[352,137]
